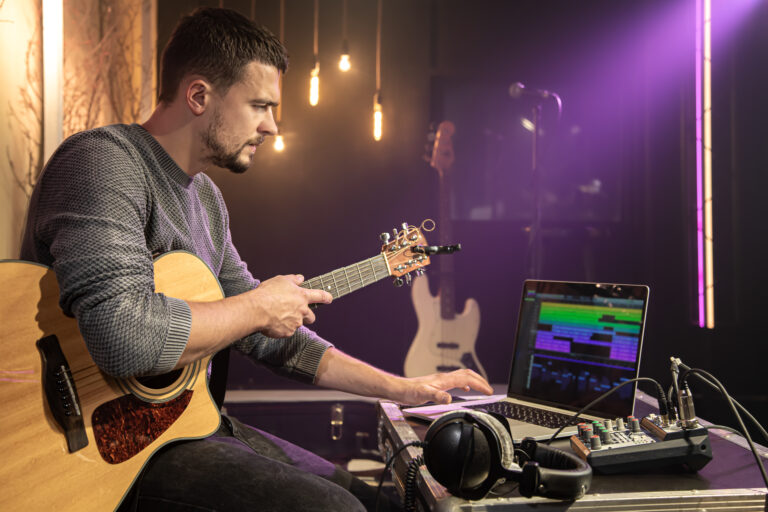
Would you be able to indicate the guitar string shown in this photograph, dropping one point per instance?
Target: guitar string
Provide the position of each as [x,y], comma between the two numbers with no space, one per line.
[348,285]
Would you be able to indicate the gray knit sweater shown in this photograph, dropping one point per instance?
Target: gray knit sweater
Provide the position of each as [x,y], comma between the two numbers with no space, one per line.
[108,201]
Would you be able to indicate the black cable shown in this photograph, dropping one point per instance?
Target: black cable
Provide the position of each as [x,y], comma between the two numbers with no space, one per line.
[388,464]
[605,395]
[728,399]
[409,502]
[736,403]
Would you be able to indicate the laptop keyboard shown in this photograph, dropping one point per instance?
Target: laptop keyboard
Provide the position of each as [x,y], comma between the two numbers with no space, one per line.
[529,414]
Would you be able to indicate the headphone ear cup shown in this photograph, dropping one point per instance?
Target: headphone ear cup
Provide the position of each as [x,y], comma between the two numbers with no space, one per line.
[469,452]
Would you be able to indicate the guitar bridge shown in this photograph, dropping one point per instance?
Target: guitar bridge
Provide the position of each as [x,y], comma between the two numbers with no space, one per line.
[61,393]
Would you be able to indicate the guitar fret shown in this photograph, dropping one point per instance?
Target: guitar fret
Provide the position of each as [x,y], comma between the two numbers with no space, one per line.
[335,286]
[361,276]
[349,285]
[340,288]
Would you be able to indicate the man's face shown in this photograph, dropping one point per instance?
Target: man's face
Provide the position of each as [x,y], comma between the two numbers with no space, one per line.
[242,117]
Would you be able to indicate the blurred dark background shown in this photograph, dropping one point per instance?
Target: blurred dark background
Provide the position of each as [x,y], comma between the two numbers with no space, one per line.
[617,168]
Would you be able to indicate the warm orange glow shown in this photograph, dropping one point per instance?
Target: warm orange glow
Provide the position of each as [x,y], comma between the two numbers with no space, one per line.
[53,42]
[344,63]
[314,86]
[279,143]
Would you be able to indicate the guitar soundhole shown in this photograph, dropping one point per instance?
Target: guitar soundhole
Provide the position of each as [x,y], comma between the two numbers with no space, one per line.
[160,381]
[124,426]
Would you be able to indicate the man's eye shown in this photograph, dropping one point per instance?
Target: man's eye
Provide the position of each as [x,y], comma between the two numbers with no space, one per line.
[260,107]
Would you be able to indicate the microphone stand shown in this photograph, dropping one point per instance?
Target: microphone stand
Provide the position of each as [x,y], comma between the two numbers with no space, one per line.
[535,244]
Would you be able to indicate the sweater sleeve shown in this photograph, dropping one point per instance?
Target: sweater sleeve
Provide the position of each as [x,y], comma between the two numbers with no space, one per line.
[297,356]
[87,219]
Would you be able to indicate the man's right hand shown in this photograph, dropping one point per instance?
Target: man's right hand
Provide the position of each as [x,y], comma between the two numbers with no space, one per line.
[282,306]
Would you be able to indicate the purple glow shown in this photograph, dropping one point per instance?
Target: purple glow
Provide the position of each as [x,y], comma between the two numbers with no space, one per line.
[699,166]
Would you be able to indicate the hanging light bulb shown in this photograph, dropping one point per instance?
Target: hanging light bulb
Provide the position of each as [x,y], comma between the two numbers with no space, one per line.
[377,117]
[377,113]
[279,144]
[314,80]
[314,85]
[344,63]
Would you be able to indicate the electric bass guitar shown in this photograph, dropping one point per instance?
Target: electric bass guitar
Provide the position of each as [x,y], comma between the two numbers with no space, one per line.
[73,438]
[445,341]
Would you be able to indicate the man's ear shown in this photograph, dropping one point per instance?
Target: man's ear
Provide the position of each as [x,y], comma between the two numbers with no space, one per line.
[198,96]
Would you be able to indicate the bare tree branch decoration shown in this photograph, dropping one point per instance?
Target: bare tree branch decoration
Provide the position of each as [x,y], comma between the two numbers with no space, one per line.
[26,117]
[101,79]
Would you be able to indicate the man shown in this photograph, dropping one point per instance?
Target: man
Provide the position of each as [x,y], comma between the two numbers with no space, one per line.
[112,198]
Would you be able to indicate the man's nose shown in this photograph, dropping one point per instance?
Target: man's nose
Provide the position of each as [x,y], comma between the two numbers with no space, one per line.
[268,126]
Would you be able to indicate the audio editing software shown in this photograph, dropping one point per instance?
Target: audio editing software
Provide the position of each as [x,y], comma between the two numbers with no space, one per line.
[573,347]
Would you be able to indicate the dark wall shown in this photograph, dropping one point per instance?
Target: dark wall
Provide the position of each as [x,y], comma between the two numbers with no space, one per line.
[625,73]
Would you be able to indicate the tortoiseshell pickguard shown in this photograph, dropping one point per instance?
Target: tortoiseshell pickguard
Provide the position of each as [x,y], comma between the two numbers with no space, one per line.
[124,426]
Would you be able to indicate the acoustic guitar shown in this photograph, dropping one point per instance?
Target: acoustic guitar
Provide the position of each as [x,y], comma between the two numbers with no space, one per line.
[445,340]
[72,437]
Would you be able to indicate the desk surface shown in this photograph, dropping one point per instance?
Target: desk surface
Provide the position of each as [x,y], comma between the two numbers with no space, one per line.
[731,481]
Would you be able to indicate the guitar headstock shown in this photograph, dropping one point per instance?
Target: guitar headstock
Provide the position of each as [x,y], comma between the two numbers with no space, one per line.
[442,149]
[401,260]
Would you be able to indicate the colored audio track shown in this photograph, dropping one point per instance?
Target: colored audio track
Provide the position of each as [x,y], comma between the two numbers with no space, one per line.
[604,332]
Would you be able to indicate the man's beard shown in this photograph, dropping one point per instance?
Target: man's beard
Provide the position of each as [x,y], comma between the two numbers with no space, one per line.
[218,154]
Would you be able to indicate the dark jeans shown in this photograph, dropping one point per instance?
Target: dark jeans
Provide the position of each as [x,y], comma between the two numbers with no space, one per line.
[242,468]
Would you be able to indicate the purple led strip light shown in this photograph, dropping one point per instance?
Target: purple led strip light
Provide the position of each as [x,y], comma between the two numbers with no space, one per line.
[699,166]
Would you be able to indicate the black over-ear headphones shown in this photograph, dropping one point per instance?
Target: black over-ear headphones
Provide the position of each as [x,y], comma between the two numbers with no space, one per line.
[471,452]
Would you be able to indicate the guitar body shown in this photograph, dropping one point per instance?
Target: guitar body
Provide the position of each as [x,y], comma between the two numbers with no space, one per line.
[442,344]
[124,421]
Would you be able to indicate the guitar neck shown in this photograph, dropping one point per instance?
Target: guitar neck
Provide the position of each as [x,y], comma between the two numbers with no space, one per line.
[348,279]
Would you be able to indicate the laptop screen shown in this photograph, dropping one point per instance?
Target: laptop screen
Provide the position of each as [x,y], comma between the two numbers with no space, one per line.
[575,341]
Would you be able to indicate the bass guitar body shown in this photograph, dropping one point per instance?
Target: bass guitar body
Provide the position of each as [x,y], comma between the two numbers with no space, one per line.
[442,344]
[73,438]
[445,341]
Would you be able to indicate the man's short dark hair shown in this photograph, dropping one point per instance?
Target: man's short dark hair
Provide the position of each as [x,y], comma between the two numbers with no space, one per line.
[217,44]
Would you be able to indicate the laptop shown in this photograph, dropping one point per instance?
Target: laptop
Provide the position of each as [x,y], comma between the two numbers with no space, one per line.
[574,342]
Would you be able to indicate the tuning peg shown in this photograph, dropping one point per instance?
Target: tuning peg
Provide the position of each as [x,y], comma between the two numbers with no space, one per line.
[398,282]
[408,279]
[421,271]
[384,237]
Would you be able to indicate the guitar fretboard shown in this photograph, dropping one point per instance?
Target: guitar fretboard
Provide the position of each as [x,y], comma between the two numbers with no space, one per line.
[351,278]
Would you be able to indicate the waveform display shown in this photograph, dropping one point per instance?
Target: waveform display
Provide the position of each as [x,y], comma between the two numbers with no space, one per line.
[607,332]
[574,381]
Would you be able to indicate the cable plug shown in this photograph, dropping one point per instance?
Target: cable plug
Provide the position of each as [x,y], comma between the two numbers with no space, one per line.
[687,412]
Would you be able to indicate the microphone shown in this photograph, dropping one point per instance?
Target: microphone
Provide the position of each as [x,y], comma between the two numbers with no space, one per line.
[517,90]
